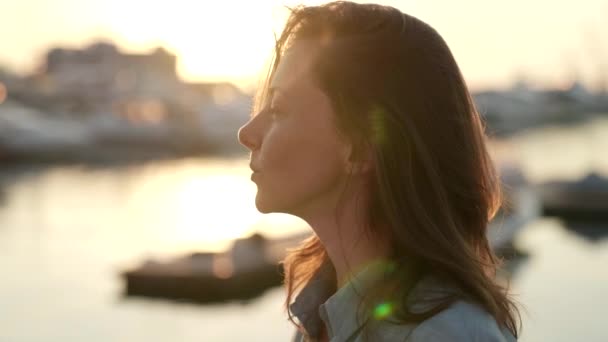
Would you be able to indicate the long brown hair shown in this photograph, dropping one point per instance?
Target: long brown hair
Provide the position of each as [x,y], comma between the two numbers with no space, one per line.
[397,90]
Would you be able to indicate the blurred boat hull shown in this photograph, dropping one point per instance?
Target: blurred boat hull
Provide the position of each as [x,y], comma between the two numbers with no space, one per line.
[586,199]
[203,287]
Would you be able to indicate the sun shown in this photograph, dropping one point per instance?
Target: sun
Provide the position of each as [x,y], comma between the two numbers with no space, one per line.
[214,41]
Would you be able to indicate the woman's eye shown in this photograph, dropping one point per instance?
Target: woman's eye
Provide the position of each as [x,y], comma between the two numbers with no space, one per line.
[275,113]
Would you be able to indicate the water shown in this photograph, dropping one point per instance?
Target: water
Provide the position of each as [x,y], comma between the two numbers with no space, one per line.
[564,283]
[66,232]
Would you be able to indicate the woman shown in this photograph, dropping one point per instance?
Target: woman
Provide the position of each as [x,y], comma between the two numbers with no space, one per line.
[365,129]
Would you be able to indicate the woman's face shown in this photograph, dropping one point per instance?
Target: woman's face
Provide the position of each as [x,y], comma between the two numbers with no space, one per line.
[297,155]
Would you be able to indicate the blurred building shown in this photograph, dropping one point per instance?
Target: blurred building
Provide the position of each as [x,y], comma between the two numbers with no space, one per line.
[101,79]
[122,99]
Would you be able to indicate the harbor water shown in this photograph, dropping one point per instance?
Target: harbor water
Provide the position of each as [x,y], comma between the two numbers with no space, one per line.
[66,233]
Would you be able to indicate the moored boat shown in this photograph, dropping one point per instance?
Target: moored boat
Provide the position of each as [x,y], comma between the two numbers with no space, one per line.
[585,199]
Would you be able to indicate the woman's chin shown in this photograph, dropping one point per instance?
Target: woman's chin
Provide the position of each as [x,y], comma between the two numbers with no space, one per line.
[266,206]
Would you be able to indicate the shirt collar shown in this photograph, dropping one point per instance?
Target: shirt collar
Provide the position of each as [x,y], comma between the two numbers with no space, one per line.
[306,305]
[317,304]
[340,311]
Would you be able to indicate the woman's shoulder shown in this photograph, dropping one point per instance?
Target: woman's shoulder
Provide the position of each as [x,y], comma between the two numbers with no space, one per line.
[462,321]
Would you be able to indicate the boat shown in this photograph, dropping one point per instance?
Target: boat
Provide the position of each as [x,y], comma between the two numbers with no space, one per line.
[585,199]
[245,271]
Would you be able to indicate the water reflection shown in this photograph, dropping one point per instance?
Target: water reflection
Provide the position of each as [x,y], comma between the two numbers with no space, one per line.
[558,152]
[66,232]
[563,284]
[168,206]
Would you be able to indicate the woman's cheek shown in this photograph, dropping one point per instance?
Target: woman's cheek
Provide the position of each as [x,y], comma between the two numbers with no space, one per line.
[275,150]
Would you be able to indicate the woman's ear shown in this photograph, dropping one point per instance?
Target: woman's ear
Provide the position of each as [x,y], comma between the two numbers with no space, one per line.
[360,160]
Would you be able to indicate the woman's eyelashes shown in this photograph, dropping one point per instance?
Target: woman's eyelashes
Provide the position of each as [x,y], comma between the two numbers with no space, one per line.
[275,112]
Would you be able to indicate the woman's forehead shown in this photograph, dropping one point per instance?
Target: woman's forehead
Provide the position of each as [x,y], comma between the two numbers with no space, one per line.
[294,66]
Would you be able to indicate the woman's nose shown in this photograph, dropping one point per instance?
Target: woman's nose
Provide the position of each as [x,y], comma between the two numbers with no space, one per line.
[246,136]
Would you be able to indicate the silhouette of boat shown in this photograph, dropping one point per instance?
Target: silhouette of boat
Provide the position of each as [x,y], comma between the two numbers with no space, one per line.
[585,199]
[245,271]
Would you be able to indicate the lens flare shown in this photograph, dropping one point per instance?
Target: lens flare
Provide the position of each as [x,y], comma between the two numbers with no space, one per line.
[383,310]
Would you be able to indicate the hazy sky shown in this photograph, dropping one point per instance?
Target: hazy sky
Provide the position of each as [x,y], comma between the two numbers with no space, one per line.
[547,42]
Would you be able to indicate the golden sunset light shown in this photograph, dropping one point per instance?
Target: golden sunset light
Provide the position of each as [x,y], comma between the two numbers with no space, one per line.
[219,41]
[232,40]
[156,185]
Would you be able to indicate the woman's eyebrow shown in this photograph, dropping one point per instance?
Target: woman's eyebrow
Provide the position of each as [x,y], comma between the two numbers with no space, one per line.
[274,90]
[277,93]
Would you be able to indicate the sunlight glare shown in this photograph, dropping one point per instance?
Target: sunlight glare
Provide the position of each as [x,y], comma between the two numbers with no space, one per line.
[224,40]
[193,201]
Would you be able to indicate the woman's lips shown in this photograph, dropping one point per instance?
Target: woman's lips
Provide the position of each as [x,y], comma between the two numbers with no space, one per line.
[253,168]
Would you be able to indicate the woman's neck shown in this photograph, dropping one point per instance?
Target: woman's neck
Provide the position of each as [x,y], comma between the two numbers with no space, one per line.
[339,220]
[350,256]
[349,244]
